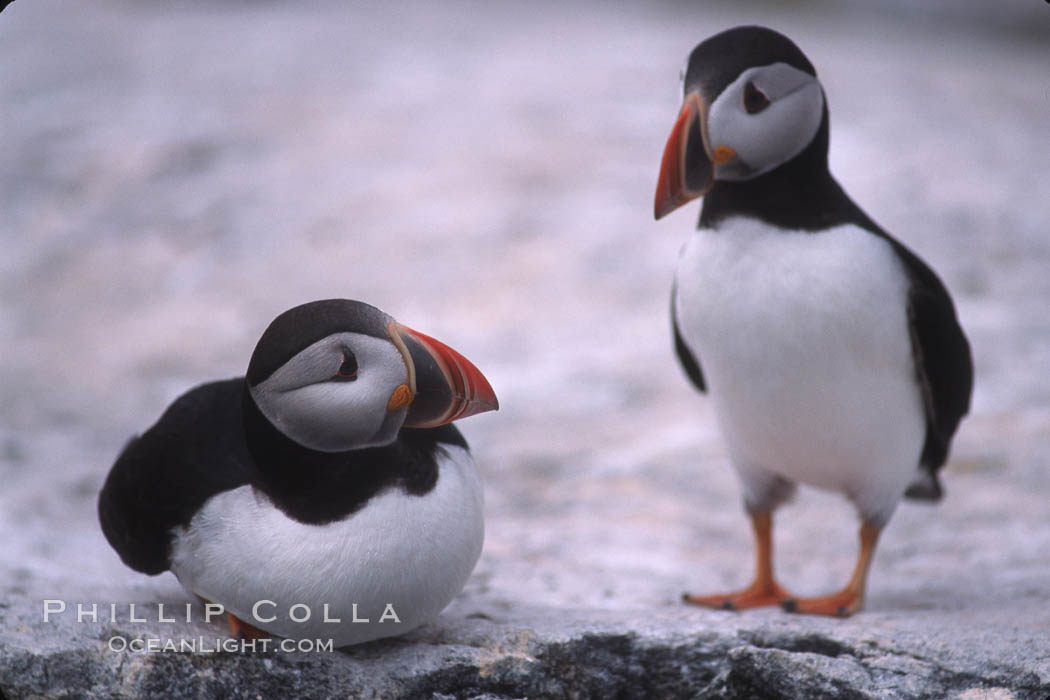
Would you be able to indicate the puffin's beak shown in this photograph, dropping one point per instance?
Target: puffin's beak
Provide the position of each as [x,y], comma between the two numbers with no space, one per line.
[444,385]
[687,170]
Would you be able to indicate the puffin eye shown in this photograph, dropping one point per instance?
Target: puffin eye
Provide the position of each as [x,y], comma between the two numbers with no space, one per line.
[754,99]
[347,370]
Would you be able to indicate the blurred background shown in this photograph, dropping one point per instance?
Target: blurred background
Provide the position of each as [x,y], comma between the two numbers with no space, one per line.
[172,176]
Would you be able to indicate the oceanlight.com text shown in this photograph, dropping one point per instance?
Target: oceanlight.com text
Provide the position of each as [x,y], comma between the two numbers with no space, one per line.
[214,645]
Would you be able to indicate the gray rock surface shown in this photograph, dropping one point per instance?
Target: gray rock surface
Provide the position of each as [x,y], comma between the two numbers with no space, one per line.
[173,177]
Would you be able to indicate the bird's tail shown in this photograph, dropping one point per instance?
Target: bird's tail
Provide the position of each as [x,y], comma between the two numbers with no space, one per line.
[926,487]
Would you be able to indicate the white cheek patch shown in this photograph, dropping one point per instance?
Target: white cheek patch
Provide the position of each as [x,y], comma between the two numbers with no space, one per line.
[312,364]
[775,135]
[324,416]
[301,400]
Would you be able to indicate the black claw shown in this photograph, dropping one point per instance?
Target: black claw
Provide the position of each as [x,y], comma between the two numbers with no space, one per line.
[728,605]
[685,597]
[789,605]
[842,612]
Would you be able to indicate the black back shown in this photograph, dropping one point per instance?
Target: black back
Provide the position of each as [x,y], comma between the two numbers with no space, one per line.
[211,440]
[162,477]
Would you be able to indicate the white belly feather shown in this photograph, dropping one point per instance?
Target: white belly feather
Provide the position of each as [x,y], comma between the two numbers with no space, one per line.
[409,552]
[803,341]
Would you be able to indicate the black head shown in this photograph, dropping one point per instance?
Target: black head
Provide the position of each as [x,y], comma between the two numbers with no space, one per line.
[718,61]
[299,327]
[751,104]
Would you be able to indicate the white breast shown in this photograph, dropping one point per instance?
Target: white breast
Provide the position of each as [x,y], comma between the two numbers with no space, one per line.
[804,343]
[411,553]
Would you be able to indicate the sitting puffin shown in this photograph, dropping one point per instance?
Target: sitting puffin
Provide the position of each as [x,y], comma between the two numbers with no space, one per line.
[327,483]
[831,352]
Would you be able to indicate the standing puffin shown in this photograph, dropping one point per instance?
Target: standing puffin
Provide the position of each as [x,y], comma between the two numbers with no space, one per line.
[328,478]
[831,353]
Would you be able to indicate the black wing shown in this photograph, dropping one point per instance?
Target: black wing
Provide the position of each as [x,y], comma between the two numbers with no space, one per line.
[162,477]
[690,363]
[942,358]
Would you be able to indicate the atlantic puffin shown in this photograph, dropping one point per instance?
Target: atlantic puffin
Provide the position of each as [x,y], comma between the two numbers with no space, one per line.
[831,352]
[327,483]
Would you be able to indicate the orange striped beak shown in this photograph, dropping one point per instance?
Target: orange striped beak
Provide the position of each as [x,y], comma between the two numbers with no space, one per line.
[686,170]
[445,386]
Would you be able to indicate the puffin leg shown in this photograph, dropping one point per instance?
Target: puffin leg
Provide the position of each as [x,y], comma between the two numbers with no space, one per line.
[239,629]
[851,598]
[764,590]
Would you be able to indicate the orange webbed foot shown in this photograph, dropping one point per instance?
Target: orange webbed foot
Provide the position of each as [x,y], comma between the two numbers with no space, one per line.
[756,595]
[851,598]
[841,604]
